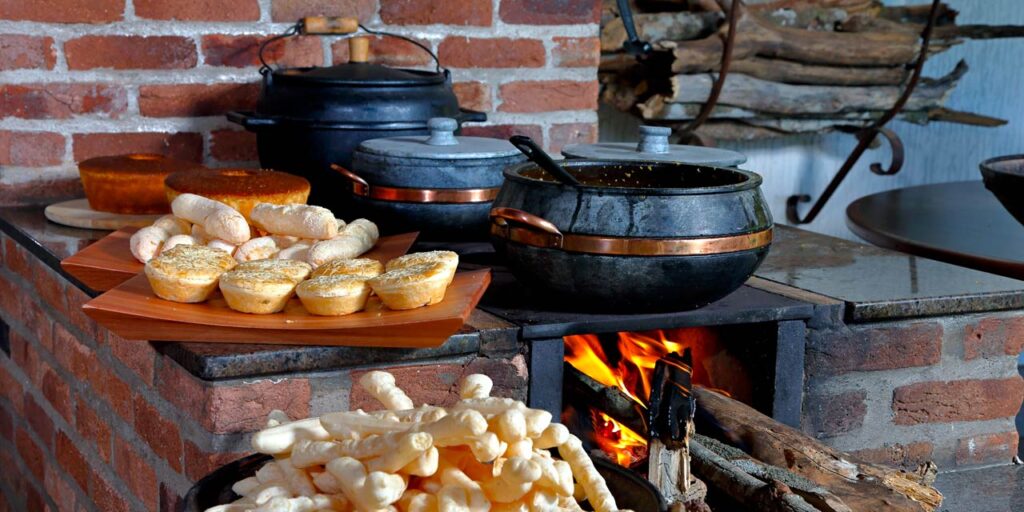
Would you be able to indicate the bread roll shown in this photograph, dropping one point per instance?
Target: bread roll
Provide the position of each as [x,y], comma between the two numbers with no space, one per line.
[359,267]
[177,240]
[411,287]
[296,270]
[217,219]
[333,295]
[147,242]
[299,251]
[217,243]
[173,225]
[355,239]
[187,273]
[449,259]
[257,249]
[256,291]
[303,221]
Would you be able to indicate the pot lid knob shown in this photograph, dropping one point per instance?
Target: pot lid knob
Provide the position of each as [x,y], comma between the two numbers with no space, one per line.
[442,131]
[653,139]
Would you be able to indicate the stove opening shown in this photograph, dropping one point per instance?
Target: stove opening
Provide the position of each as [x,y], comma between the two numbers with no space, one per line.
[736,360]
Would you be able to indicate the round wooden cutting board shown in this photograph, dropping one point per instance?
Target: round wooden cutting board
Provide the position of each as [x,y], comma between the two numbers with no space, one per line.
[77,214]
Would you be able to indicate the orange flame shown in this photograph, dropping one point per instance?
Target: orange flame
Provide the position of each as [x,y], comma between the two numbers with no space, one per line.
[631,374]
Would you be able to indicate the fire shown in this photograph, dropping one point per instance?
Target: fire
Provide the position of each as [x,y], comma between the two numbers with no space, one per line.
[630,369]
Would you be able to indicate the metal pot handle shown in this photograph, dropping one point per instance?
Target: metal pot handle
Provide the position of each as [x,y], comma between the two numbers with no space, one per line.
[503,218]
[633,45]
[359,186]
[249,119]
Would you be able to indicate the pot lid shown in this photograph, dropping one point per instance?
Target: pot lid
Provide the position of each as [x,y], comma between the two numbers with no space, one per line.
[360,74]
[441,144]
[654,146]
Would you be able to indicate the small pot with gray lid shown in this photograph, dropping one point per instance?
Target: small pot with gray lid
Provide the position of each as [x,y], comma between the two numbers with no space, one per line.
[441,185]
[654,147]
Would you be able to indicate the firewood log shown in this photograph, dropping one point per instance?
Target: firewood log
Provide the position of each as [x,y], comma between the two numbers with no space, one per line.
[791,72]
[672,26]
[861,485]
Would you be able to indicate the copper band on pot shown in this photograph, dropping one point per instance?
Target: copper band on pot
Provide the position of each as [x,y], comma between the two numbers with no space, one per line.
[416,195]
[521,227]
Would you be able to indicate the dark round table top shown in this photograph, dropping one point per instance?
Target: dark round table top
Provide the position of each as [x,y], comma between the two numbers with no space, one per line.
[960,223]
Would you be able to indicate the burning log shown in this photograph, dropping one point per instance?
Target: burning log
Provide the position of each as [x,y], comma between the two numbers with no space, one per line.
[860,485]
[613,402]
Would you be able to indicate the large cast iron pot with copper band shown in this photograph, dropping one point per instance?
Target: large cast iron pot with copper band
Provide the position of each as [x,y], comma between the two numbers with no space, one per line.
[441,185]
[652,236]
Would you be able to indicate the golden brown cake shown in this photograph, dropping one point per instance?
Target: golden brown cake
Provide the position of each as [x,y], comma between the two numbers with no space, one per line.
[132,184]
[359,267]
[296,270]
[413,286]
[333,295]
[240,189]
[187,273]
[256,291]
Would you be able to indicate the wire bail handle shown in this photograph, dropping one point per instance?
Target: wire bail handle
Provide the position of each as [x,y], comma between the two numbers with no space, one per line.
[333,26]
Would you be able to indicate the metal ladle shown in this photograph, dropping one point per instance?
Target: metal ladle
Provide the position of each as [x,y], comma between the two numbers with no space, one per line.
[542,159]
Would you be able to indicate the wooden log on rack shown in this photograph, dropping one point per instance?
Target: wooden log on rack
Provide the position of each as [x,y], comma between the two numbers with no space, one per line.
[654,27]
[860,485]
[786,99]
[746,489]
[790,72]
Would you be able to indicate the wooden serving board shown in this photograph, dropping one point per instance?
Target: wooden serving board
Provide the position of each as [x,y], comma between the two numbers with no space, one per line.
[77,214]
[132,311]
[109,261]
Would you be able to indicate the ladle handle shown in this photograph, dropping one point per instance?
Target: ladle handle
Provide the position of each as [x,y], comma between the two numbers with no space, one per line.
[544,160]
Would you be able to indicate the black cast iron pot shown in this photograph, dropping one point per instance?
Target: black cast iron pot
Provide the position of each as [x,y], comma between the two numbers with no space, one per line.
[308,118]
[631,491]
[633,237]
[440,185]
[1004,177]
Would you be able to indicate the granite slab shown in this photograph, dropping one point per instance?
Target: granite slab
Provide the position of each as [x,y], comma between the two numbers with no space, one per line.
[880,284]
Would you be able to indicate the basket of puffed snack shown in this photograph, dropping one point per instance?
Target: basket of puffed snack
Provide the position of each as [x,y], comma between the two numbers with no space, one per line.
[481,454]
[289,250]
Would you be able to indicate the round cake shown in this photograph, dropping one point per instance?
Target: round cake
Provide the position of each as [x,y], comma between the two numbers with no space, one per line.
[132,184]
[239,188]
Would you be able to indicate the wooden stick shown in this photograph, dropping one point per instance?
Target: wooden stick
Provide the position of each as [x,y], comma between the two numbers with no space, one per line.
[744,488]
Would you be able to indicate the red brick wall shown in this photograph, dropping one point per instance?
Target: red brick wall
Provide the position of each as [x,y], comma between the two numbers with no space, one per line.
[92,419]
[89,77]
[943,389]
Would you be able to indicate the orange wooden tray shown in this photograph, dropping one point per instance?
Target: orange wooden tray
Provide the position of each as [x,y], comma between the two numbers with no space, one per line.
[109,262]
[132,311]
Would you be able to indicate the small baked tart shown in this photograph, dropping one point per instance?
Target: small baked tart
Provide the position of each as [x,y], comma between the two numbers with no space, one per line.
[187,273]
[256,291]
[359,267]
[294,269]
[448,259]
[333,295]
[412,286]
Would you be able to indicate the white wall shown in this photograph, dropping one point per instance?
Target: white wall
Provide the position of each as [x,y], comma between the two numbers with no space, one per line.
[938,152]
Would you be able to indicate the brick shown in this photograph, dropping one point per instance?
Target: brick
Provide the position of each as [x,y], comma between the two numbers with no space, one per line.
[71,354]
[429,12]
[243,51]
[136,473]
[58,393]
[994,337]
[161,434]
[26,52]
[199,462]
[71,459]
[137,355]
[63,11]
[61,100]
[93,428]
[114,390]
[873,348]
[33,500]
[183,146]
[196,100]
[44,190]
[26,356]
[105,496]
[550,12]
[830,415]
[130,52]
[547,96]
[576,52]
[498,52]
[561,135]
[30,453]
[58,489]
[38,420]
[38,323]
[387,51]
[49,285]
[291,10]
[504,131]
[6,423]
[11,389]
[233,146]
[987,449]
[170,500]
[198,10]
[960,400]
[473,95]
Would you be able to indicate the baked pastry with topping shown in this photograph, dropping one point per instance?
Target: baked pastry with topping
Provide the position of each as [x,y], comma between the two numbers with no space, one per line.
[131,184]
[240,189]
[294,269]
[448,259]
[257,291]
[365,268]
[333,295]
[187,273]
[413,286]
